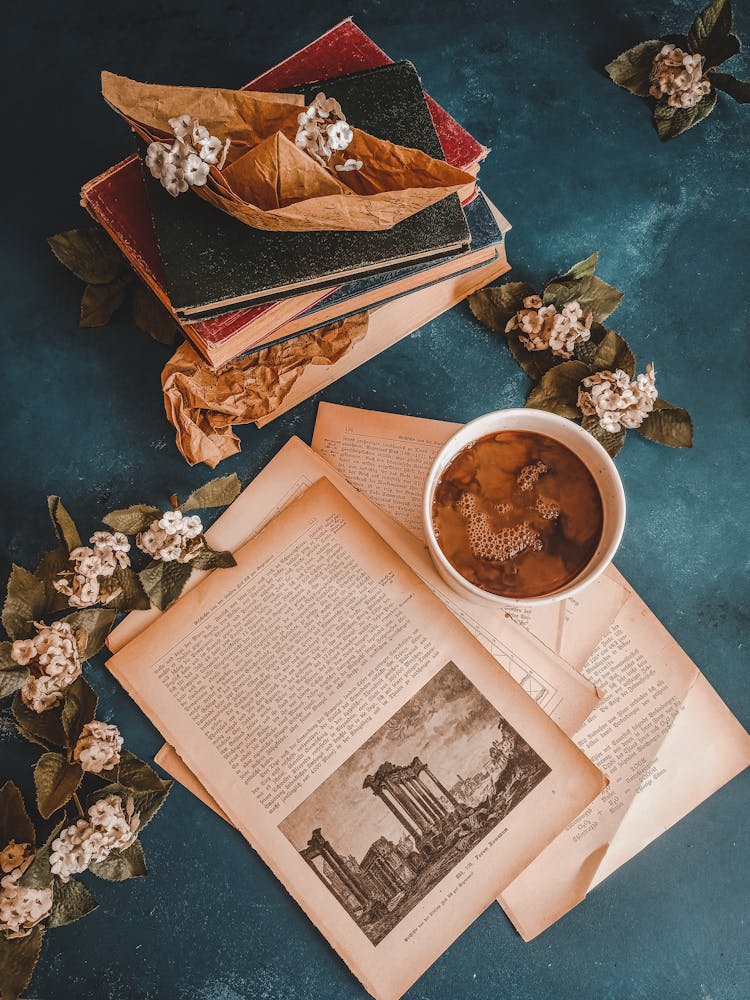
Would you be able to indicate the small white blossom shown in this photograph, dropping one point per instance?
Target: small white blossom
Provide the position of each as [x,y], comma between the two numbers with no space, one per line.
[21,909]
[98,747]
[616,401]
[339,135]
[678,76]
[543,328]
[349,164]
[54,663]
[182,125]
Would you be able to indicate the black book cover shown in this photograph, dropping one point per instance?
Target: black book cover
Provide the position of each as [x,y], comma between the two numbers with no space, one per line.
[485,232]
[214,263]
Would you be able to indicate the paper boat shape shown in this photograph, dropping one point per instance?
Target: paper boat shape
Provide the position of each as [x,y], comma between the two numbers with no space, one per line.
[267,182]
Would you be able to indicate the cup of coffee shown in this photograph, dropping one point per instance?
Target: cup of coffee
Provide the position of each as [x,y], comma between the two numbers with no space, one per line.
[522,507]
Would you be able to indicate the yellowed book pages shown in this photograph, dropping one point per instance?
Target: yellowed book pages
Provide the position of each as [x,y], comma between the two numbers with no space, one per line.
[388,324]
[564,694]
[361,739]
[662,734]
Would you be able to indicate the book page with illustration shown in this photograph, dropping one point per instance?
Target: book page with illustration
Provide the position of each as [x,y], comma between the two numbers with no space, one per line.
[360,738]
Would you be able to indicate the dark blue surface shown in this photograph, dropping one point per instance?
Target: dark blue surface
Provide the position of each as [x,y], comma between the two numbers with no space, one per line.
[576,166]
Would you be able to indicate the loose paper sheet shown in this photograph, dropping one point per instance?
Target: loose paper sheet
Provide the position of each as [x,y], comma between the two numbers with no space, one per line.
[662,734]
[344,720]
[565,695]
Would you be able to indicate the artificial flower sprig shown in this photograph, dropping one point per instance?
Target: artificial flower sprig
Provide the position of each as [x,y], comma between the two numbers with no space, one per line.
[584,371]
[680,71]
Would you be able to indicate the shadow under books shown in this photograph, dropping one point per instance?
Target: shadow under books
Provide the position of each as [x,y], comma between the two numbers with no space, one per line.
[382,835]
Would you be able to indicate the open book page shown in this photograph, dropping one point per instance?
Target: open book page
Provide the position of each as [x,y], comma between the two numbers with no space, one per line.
[358,736]
[563,693]
[665,740]
[387,456]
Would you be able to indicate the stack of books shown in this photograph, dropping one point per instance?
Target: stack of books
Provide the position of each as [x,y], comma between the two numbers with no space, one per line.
[235,290]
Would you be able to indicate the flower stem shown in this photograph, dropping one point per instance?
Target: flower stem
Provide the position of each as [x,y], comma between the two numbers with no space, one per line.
[78,805]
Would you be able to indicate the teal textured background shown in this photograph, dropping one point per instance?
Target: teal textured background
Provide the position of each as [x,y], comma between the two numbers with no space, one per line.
[576,166]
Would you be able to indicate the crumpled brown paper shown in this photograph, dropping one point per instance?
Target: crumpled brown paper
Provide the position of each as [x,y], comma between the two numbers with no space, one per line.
[203,404]
[267,182]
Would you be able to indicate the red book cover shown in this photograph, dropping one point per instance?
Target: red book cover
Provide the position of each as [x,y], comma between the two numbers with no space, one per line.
[347,49]
[117,198]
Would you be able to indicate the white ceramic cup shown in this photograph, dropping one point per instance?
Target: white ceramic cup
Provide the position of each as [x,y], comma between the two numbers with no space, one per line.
[584,446]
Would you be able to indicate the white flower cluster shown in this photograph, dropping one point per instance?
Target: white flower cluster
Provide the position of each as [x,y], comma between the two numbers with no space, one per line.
[678,76]
[110,826]
[187,161]
[616,401]
[98,747]
[172,538]
[54,662]
[544,328]
[90,581]
[323,131]
[21,909]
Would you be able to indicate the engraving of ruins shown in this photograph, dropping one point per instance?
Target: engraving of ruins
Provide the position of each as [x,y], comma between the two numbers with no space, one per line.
[395,818]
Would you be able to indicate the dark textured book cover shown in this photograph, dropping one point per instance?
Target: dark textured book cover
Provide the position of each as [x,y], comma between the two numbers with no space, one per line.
[346,299]
[214,263]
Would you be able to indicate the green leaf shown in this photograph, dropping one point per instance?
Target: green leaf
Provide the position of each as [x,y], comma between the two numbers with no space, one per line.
[96,623]
[163,581]
[738,89]
[90,254]
[558,390]
[36,726]
[72,900]
[710,30]
[210,559]
[12,676]
[132,520]
[99,303]
[121,865]
[137,775]
[670,425]
[153,318]
[592,293]
[133,597]
[25,603]
[53,563]
[632,69]
[18,957]
[78,708]
[612,443]
[146,803]
[671,122]
[15,823]
[39,874]
[12,679]
[613,352]
[63,523]
[56,779]
[216,493]
[493,307]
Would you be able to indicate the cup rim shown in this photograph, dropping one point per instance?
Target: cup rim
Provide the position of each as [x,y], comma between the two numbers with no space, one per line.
[589,573]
